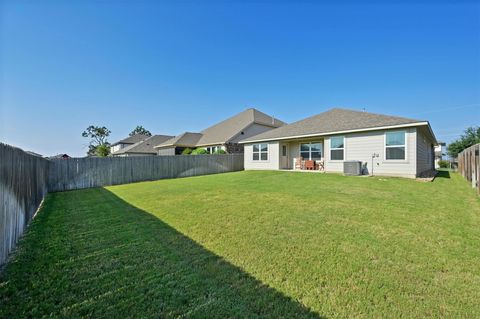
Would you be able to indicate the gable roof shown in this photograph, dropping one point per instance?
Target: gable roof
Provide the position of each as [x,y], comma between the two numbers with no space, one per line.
[187,139]
[224,131]
[335,121]
[144,147]
[132,139]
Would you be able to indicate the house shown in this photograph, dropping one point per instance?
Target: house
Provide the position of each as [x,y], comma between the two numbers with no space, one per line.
[224,135]
[440,152]
[142,147]
[115,147]
[60,156]
[391,145]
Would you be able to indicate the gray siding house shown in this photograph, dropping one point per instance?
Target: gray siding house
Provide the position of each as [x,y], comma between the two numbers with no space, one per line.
[224,135]
[390,145]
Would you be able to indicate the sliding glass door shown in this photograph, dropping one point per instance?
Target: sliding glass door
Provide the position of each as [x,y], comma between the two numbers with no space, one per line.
[311,150]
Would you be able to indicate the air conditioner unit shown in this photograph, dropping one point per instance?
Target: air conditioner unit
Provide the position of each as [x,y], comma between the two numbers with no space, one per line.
[352,168]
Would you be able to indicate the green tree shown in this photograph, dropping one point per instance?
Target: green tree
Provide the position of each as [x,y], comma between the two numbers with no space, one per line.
[187,151]
[220,151]
[199,151]
[98,144]
[140,130]
[470,136]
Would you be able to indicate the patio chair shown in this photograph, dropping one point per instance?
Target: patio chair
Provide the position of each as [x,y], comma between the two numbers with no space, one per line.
[310,165]
[320,165]
[299,163]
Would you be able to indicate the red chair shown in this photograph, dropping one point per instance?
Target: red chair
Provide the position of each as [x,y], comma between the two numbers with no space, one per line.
[310,165]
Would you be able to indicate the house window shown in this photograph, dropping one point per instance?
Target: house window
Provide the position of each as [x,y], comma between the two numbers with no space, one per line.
[337,148]
[395,145]
[212,149]
[284,150]
[260,152]
[311,151]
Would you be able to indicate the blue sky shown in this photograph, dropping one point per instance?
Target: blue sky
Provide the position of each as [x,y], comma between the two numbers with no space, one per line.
[182,66]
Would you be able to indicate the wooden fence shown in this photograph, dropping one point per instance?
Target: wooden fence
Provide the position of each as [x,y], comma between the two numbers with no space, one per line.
[469,165]
[77,173]
[25,180]
[23,185]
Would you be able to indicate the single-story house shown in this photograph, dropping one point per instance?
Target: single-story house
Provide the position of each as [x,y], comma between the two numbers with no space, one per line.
[224,135]
[142,147]
[385,145]
[440,152]
[115,147]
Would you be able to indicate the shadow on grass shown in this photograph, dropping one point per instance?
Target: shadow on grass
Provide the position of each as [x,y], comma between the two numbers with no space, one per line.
[443,174]
[89,253]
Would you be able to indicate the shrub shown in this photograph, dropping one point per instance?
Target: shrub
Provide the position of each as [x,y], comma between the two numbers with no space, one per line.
[219,151]
[199,151]
[187,151]
[443,164]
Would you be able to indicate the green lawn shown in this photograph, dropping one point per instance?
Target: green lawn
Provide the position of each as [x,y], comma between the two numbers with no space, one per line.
[252,244]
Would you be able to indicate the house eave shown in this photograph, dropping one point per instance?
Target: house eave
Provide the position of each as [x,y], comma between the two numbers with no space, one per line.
[341,132]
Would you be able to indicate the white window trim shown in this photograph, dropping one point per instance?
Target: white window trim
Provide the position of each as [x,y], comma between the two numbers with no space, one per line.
[336,149]
[404,145]
[260,152]
[322,155]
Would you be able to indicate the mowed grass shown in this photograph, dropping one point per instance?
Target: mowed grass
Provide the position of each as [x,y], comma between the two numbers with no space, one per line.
[252,244]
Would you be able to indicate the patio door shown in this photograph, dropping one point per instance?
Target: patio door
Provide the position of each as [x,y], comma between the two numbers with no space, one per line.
[284,156]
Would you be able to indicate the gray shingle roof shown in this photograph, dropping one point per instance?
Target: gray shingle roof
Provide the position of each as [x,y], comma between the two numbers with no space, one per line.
[132,139]
[186,139]
[146,146]
[334,120]
[224,131]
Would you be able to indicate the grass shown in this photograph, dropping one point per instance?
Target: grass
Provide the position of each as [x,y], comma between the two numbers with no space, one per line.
[252,244]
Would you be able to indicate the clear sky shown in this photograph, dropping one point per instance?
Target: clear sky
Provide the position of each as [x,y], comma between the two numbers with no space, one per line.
[181,66]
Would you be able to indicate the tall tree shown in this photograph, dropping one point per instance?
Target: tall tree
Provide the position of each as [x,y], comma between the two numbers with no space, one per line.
[98,145]
[470,136]
[140,130]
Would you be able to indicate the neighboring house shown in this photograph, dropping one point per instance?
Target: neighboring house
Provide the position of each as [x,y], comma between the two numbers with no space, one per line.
[398,146]
[115,147]
[440,152]
[33,153]
[59,156]
[143,147]
[224,135]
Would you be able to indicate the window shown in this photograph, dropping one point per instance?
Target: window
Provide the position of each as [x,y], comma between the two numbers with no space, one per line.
[395,145]
[311,151]
[284,150]
[260,152]
[337,148]
[212,149]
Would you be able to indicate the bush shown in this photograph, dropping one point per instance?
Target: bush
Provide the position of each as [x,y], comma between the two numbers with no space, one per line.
[199,151]
[443,164]
[219,151]
[187,151]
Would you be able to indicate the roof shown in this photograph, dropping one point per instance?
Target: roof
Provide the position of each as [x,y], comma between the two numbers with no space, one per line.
[224,131]
[146,146]
[334,121]
[61,156]
[187,139]
[132,139]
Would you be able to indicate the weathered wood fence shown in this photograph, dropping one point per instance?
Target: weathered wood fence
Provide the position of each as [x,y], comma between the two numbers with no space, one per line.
[25,180]
[77,173]
[469,165]
[23,185]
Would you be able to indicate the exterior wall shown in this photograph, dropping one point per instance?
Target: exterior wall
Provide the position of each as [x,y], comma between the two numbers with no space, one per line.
[116,148]
[166,151]
[425,153]
[272,163]
[360,146]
